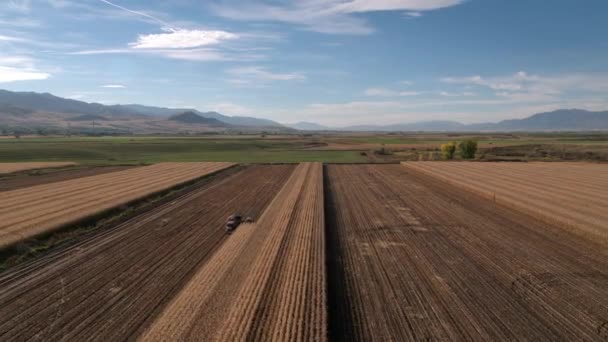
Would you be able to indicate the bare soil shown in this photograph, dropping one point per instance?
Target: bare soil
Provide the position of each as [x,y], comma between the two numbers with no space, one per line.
[113,285]
[414,258]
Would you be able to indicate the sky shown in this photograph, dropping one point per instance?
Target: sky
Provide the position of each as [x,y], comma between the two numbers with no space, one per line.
[333,62]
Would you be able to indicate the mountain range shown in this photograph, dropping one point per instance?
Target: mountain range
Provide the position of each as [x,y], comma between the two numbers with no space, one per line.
[28,111]
[559,120]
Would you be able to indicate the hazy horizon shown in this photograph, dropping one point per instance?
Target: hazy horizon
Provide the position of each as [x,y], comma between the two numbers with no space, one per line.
[334,62]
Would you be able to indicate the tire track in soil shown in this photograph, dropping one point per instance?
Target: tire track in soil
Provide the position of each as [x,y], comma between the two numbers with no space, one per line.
[112,287]
[414,258]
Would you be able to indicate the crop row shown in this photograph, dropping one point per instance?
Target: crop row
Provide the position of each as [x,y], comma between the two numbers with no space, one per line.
[565,193]
[113,285]
[27,212]
[413,258]
[267,281]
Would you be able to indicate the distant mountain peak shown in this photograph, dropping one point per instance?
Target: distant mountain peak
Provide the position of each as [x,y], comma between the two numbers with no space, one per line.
[190,117]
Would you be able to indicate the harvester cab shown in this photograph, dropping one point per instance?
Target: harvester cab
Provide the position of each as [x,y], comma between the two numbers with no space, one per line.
[233,222]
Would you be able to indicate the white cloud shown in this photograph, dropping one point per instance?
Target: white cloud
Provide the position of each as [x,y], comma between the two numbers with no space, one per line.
[181,39]
[389,92]
[113,86]
[19,68]
[261,74]
[449,94]
[522,85]
[413,14]
[329,16]
[13,74]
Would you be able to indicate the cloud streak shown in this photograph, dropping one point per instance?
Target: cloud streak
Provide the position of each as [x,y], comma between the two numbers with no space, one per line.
[142,14]
[14,74]
[246,75]
[331,16]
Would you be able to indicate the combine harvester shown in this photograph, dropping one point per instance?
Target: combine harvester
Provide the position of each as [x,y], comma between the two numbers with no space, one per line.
[234,221]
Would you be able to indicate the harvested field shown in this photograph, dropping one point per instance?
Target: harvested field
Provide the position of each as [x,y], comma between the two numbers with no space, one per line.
[15,167]
[114,285]
[415,258]
[18,181]
[571,194]
[266,282]
[35,210]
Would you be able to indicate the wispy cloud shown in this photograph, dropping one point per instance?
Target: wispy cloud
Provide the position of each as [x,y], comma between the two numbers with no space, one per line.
[19,68]
[384,92]
[245,75]
[180,39]
[13,74]
[521,83]
[175,42]
[330,16]
[141,14]
[18,5]
[114,86]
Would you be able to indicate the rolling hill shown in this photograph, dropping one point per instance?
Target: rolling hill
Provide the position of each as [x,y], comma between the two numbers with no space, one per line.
[34,111]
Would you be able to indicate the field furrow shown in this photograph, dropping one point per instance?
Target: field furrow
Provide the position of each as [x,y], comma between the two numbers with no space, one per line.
[540,189]
[266,282]
[416,258]
[112,286]
[40,209]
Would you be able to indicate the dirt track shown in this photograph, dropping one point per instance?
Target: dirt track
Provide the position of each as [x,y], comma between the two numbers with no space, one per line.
[413,258]
[571,194]
[18,181]
[113,285]
[15,167]
[35,210]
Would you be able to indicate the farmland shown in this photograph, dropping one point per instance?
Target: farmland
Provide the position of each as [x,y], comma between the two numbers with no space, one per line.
[15,167]
[459,266]
[363,252]
[566,193]
[40,209]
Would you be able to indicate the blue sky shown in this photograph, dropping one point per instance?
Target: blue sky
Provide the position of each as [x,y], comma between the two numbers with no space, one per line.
[335,62]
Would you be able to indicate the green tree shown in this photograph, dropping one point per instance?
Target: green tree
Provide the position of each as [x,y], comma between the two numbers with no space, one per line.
[448,150]
[468,148]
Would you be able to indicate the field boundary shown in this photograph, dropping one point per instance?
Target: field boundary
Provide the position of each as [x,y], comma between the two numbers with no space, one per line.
[568,225]
[80,230]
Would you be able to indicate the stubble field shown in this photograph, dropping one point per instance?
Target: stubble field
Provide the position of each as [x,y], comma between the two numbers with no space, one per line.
[334,252]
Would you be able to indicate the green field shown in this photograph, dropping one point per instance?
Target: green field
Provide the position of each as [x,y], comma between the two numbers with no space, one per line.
[288,148]
[134,150]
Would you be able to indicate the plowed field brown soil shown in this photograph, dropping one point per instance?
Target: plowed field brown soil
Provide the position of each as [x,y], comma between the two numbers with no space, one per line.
[112,286]
[15,167]
[35,210]
[414,258]
[266,282]
[19,180]
[572,194]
